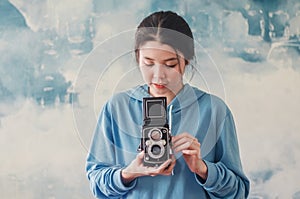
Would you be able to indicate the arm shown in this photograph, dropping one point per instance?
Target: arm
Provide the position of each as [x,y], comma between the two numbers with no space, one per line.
[103,173]
[225,177]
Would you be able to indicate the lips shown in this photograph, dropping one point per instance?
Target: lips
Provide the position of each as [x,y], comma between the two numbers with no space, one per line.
[159,86]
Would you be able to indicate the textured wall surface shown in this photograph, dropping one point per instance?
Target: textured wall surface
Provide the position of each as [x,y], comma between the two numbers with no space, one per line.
[60,60]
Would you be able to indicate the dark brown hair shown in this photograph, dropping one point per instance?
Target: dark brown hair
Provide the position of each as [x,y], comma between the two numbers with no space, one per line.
[167,28]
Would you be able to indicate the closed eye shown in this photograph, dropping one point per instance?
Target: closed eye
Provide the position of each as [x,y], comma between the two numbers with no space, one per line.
[171,65]
[148,63]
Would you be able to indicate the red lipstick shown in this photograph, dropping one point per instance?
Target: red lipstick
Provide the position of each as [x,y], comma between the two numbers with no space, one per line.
[159,86]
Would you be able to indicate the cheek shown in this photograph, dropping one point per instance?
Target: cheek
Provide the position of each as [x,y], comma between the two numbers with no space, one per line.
[176,76]
[145,73]
[177,73]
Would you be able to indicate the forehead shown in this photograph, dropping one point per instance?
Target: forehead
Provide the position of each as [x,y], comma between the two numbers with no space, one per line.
[157,48]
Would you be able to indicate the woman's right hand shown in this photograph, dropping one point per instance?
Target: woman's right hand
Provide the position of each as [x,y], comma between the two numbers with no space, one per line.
[137,169]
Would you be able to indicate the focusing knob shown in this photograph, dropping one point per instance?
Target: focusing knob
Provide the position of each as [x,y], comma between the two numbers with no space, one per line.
[148,142]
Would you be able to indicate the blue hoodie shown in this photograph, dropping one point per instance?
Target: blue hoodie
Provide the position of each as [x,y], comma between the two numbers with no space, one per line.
[117,137]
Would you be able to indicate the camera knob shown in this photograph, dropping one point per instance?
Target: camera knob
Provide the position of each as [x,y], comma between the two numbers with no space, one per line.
[148,142]
[155,134]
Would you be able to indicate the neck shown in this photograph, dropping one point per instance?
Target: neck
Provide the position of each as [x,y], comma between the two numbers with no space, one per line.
[169,95]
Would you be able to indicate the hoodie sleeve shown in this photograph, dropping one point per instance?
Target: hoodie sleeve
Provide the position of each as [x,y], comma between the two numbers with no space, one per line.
[225,176]
[102,171]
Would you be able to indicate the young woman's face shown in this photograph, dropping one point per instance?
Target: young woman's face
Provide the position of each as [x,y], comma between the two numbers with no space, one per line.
[162,69]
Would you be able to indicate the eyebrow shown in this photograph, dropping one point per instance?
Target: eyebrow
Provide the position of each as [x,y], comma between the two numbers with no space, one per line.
[169,59]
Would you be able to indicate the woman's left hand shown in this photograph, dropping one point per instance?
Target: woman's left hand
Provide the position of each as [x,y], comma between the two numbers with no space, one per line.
[190,148]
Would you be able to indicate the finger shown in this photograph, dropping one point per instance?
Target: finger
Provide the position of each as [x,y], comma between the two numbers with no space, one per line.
[154,170]
[167,172]
[181,147]
[190,152]
[165,164]
[139,158]
[182,139]
[173,158]
[141,155]
[171,165]
[179,136]
[164,169]
[196,143]
[169,169]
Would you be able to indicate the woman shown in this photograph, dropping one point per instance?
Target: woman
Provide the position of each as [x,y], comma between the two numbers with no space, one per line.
[206,161]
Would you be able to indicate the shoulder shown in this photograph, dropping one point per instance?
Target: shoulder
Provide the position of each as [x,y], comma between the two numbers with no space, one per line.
[211,101]
[203,95]
[122,98]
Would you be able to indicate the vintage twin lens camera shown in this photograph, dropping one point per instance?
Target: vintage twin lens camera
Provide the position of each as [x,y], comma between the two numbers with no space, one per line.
[156,137]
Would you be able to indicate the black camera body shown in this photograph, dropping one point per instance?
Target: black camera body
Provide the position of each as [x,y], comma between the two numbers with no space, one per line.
[156,139]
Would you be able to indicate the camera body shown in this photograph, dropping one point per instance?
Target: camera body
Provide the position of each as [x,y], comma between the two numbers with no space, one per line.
[156,139]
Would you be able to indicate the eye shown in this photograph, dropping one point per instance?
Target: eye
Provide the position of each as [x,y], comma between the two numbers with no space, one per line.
[171,65]
[148,63]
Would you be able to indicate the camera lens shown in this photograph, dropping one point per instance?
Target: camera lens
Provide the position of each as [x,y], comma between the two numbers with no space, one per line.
[155,134]
[155,150]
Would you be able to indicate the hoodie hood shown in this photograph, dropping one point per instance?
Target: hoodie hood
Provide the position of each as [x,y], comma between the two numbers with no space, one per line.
[186,96]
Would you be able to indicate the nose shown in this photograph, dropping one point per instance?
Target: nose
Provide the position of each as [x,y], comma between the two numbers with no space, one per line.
[159,71]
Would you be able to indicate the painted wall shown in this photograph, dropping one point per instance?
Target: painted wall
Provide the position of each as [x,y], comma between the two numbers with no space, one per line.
[60,60]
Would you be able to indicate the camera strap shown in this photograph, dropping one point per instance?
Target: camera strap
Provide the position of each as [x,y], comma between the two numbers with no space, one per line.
[170,130]
[170,119]
[170,123]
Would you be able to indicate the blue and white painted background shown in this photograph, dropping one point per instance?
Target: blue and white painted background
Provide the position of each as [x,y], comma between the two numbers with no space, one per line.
[61,59]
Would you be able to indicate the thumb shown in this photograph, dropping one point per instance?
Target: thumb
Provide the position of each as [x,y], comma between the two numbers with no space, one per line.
[140,155]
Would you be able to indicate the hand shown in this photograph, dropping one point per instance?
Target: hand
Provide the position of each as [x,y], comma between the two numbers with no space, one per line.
[137,169]
[190,148]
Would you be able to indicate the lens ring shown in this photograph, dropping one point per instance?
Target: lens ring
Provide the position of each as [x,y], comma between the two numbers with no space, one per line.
[155,134]
[155,146]
[156,150]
